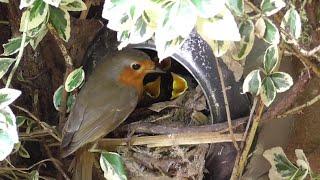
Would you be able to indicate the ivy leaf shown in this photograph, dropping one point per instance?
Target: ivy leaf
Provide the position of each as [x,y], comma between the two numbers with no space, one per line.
[37,15]
[208,8]
[271,59]
[114,8]
[5,63]
[179,20]
[282,81]
[75,5]
[291,23]
[271,34]
[25,3]
[13,46]
[112,166]
[245,45]
[60,20]
[23,152]
[302,162]
[8,132]
[252,83]
[167,48]
[20,120]
[74,79]
[57,96]
[281,167]
[34,42]
[34,175]
[7,96]
[260,28]
[270,7]
[219,48]
[141,31]
[54,3]
[215,28]
[268,91]
[237,6]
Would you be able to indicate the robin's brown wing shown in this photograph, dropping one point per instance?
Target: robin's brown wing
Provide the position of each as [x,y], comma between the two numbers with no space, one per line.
[97,111]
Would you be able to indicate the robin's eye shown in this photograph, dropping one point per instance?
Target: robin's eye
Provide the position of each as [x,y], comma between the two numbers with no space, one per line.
[135,66]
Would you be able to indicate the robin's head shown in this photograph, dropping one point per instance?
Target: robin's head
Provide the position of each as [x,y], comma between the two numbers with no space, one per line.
[129,67]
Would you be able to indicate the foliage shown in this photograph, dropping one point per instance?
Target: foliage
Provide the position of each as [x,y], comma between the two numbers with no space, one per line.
[282,168]
[226,25]
[112,166]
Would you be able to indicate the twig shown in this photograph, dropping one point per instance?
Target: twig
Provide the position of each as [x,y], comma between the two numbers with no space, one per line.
[69,68]
[226,105]
[299,108]
[84,13]
[152,128]
[255,100]
[20,54]
[43,125]
[55,162]
[171,139]
[4,22]
[239,167]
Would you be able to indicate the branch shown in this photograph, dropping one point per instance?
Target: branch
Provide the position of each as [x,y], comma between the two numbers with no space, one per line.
[239,167]
[297,109]
[20,54]
[43,125]
[69,68]
[170,139]
[226,105]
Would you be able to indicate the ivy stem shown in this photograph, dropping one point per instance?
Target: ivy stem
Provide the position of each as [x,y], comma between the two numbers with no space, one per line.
[21,49]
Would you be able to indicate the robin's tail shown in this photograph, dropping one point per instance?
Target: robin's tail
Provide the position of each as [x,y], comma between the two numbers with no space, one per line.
[83,164]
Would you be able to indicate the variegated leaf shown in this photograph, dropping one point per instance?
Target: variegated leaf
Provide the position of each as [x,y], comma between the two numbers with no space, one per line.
[5,63]
[25,3]
[291,23]
[112,166]
[245,45]
[237,6]
[75,5]
[270,7]
[282,81]
[167,48]
[271,34]
[208,8]
[13,45]
[60,20]
[268,91]
[271,59]
[252,83]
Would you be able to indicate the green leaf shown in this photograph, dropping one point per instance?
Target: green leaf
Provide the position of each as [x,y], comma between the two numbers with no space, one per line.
[221,27]
[291,23]
[302,162]
[271,59]
[174,23]
[34,175]
[245,45]
[5,63]
[60,20]
[38,14]
[270,7]
[236,6]
[23,152]
[208,8]
[281,167]
[8,132]
[282,81]
[112,166]
[54,3]
[75,5]
[271,34]
[7,96]
[167,48]
[13,46]
[57,99]
[252,83]
[268,91]
[219,48]
[20,120]
[34,42]
[74,79]
[25,3]
[140,31]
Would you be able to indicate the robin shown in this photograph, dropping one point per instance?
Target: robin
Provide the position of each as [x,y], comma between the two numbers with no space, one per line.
[105,101]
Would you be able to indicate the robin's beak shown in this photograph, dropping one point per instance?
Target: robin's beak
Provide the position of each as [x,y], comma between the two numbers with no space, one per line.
[156,70]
